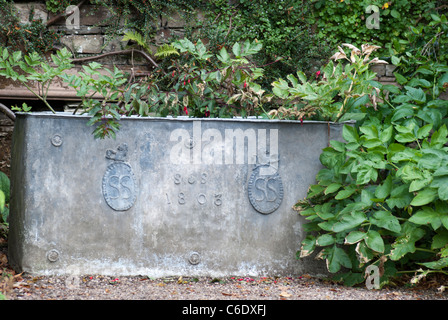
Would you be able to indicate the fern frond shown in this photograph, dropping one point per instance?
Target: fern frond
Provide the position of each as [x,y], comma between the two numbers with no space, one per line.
[165,50]
[137,37]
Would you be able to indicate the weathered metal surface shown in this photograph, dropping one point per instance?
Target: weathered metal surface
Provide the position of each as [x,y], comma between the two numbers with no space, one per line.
[167,197]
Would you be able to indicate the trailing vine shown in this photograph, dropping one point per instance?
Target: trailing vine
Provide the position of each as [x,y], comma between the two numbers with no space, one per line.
[31,36]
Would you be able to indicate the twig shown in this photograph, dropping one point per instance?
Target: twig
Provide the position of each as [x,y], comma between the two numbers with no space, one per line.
[230,28]
[426,47]
[144,54]
[8,112]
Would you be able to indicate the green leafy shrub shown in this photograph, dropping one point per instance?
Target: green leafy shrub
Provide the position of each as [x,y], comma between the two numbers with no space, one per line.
[335,93]
[421,45]
[221,85]
[281,27]
[99,92]
[32,67]
[345,21]
[381,198]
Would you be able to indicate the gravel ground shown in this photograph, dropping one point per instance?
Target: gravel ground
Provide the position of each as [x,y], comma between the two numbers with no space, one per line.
[301,287]
[304,287]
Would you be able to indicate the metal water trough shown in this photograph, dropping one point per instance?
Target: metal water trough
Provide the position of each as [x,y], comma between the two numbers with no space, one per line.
[168,196]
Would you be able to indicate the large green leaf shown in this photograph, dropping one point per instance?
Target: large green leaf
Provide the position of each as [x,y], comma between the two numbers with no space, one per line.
[325,240]
[337,257]
[350,134]
[416,94]
[440,240]
[383,190]
[2,201]
[400,197]
[354,237]
[346,192]
[366,173]
[424,197]
[386,220]
[374,241]
[428,215]
[406,243]
[349,221]
[436,265]
[5,185]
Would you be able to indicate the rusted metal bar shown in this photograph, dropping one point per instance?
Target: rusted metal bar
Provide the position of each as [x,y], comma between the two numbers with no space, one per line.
[8,112]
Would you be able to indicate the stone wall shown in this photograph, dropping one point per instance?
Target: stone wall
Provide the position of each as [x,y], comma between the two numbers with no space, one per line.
[90,38]
[384,73]
[6,128]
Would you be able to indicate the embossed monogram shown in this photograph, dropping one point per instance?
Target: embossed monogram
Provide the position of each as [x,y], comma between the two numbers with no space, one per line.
[119,185]
[265,191]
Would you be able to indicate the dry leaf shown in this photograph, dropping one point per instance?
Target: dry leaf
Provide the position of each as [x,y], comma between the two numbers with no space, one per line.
[285,294]
[227,294]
